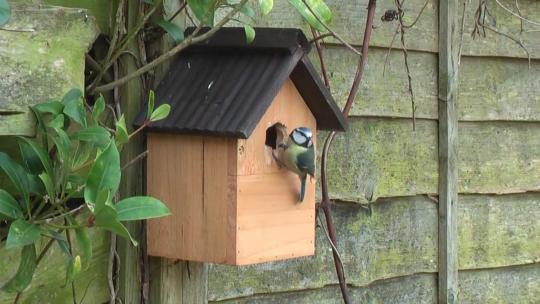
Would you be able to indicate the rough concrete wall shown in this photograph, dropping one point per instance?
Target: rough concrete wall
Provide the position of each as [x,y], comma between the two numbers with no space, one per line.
[390,249]
[40,61]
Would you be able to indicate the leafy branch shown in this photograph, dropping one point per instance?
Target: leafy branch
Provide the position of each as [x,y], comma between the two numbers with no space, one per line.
[71,169]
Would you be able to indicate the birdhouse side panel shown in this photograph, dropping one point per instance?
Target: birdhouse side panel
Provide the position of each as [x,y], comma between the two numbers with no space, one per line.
[184,172]
[272,223]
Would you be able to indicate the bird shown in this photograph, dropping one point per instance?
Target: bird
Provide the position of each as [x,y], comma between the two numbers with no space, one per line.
[298,156]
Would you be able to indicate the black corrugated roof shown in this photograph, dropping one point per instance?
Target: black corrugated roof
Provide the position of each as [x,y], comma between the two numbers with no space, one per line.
[224,86]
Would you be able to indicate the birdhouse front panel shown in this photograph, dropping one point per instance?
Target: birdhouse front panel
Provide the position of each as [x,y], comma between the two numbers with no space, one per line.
[272,223]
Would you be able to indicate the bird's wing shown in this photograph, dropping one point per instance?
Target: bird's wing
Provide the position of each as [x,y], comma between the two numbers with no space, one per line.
[306,161]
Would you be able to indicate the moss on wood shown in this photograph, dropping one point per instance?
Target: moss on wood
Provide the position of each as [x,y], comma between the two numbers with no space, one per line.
[41,64]
[399,238]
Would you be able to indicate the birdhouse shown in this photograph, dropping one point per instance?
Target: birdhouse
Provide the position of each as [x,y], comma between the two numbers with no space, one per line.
[212,160]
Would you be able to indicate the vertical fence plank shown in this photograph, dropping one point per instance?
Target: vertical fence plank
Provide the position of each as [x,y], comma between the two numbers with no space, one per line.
[129,289]
[448,73]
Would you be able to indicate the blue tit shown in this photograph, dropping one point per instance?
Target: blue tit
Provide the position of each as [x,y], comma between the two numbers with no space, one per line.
[299,156]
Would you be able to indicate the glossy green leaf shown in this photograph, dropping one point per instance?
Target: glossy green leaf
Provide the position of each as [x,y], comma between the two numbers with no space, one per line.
[25,272]
[104,174]
[30,160]
[17,175]
[151,102]
[173,29]
[32,152]
[96,135]
[250,33]
[122,136]
[266,6]
[54,107]
[9,207]
[22,233]
[61,241]
[319,7]
[84,244]
[107,218]
[73,106]
[82,153]
[98,109]
[161,112]
[5,12]
[204,10]
[40,126]
[140,208]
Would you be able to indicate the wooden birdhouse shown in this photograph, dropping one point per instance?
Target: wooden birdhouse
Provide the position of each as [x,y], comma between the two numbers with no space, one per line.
[211,160]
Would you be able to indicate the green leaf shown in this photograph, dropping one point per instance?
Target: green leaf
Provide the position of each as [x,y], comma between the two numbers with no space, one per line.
[73,269]
[104,174]
[57,122]
[250,33]
[54,107]
[61,241]
[94,134]
[161,112]
[17,175]
[33,152]
[73,106]
[62,143]
[248,11]
[319,7]
[98,109]
[22,233]
[25,272]
[9,206]
[49,186]
[82,153]
[122,136]
[151,2]
[107,218]
[151,102]
[83,241]
[5,12]
[266,6]
[204,10]
[173,29]
[140,208]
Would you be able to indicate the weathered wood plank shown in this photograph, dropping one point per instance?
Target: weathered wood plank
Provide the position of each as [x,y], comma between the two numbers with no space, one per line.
[399,238]
[415,289]
[497,231]
[520,284]
[42,64]
[489,88]
[447,278]
[382,158]
[350,17]
[47,286]
[102,10]
[385,157]
[509,285]
[131,96]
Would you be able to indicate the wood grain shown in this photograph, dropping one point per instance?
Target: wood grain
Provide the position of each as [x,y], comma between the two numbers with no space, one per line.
[447,278]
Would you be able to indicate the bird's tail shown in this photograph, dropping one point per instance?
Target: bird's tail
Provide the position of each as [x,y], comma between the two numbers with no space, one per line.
[302,187]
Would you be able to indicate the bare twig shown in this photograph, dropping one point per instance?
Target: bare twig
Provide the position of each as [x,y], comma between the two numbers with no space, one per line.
[387,57]
[325,205]
[399,5]
[516,2]
[322,36]
[318,46]
[134,160]
[418,16]
[462,30]
[193,38]
[516,14]
[111,269]
[331,31]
